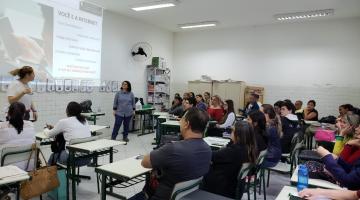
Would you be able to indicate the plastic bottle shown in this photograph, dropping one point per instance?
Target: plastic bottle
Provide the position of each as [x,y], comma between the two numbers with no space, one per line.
[303,178]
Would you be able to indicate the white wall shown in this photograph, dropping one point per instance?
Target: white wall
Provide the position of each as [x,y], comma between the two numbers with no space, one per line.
[119,35]
[318,59]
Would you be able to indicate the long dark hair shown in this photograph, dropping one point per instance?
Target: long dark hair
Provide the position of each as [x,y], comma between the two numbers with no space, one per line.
[16,116]
[274,118]
[244,135]
[259,123]
[73,109]
[230,105]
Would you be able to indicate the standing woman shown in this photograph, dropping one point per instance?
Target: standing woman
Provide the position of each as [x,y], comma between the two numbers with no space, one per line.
[124,109]
[20,91]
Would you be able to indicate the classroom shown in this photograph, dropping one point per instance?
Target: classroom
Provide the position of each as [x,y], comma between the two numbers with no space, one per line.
[179,99]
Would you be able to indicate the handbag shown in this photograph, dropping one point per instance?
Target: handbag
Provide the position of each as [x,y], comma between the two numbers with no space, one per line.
[42,180]
[324,135]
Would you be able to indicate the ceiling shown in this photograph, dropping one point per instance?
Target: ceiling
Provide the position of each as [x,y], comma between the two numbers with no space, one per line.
[229,13]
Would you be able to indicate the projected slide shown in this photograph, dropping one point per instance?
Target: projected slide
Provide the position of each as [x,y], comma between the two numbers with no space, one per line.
[59,38]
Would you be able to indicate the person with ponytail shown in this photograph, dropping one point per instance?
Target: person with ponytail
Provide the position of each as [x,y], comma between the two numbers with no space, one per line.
[274,133]
[73,127]
[227,162]
[20,91]
[16,131]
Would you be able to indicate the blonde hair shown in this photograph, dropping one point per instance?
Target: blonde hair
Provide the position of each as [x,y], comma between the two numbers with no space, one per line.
[21,72]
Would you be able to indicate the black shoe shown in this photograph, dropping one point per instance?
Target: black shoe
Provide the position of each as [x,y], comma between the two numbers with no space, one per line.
[126,139]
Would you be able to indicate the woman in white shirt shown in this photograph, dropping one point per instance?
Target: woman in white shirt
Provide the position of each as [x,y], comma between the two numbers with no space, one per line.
[17,131]
[73,127]
[20,91]
[229,117]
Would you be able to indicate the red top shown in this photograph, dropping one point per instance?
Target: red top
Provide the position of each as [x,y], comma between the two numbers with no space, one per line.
[216,113]
[350,153]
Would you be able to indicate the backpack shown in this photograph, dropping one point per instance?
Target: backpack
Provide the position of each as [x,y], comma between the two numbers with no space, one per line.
[86,106]
[57,146]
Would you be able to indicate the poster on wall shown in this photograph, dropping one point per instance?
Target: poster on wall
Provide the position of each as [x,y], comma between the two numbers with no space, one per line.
[83,86]
[90,86]
[50,85]
[59,83]
[108,86]
[115,86]
[102,87]
[75,85]
[5,82]
[40,86]
[67,85]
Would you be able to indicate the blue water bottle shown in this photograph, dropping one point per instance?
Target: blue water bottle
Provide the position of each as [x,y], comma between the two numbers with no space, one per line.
[303,178]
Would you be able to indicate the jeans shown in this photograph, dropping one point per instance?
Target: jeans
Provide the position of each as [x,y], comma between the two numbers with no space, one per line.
[118,121]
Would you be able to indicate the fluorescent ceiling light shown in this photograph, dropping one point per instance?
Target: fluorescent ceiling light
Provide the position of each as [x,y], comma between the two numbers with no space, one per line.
[153,5]
[198,25]
[304,15]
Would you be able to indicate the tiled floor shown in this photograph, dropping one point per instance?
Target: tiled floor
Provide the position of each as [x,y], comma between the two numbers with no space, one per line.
[87,189]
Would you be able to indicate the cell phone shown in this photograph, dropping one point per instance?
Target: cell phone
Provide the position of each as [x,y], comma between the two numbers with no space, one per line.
[6,33]
[293,197]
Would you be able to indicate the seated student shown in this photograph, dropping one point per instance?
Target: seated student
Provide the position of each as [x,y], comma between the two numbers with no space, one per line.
[290,125]
[299,111]
[207,98]
[192,95]
[346,126]
[277,107]
[17,131]
[310,113]
[182,160]
[226,122]
[253,104]
[318,193]
[216,111]
[258,122]
[274,133]
[177,107]
[187,104]
[347,175]
[351,150]
[345,109]
[73,127]
[227,162]
[200,102]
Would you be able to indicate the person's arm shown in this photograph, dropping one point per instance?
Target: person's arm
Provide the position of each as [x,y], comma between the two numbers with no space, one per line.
[158,158]
[229,121]
[329,193]
[133,102]
[115,104]
[347,179]
[13,96]
[310,115]
[146,161]
[58,128]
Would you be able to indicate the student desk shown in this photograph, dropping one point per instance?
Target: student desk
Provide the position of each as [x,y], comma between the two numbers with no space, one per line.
[216,142]
[157,114]
[285,191]
[314,182]
[143,113]
[203,195]
[92,116]
[12,176]
[126,173]
[40,136]
[87,150]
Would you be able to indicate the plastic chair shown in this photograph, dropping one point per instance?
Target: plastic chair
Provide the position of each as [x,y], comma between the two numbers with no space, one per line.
[186,187]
